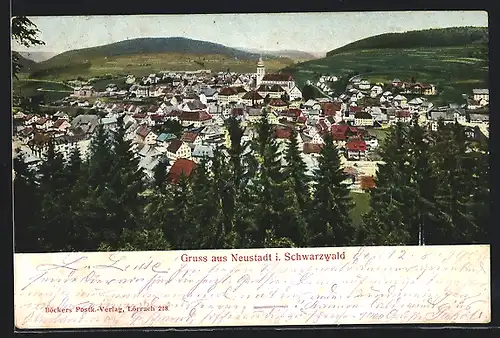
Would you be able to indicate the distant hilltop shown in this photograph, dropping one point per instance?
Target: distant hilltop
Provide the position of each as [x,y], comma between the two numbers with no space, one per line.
[154,46]
[441,37]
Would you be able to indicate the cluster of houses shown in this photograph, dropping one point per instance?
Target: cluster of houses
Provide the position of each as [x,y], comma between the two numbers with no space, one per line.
[200,102]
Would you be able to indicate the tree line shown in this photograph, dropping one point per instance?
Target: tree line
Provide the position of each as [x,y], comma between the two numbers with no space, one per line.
[439,37]
[433,188]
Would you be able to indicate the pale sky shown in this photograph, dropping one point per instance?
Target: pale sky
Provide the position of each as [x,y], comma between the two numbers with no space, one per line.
[310,32]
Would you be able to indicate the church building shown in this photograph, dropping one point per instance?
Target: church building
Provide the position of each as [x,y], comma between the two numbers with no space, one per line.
[283,80]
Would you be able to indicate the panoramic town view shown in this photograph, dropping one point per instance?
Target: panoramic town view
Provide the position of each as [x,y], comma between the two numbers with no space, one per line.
[147,136]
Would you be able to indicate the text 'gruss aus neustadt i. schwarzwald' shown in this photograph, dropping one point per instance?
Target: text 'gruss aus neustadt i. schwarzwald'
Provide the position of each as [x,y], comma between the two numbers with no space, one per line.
[267,257]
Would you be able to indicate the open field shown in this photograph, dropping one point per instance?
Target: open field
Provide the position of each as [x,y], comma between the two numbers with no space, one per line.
[144,64]
[450,69]
[50,90]
[362,206]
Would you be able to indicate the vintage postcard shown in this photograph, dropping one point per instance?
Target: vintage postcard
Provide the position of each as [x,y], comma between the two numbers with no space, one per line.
[251,169]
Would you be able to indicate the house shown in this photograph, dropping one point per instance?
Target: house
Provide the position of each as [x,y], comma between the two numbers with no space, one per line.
[87,123]
[400,100]
[252,98]
[356,149]
[294,93]
[211,94]
[479,118]
[272,118]
[364,85]
[165,138]
[429,89]
[283,80]
[85,91]
[27,134]
[271,91]
[277,105]
[145,135]
[191,138]
[196,119]
[202,151]
[403,116]
[130,79]
[376,91]
[254,115]
[311,148]
[363,119]
[30,119]
[227,95]
[178,149]
[181,167]
[479,94]
[44,123]
[109,122]
[397,83]
[61,125]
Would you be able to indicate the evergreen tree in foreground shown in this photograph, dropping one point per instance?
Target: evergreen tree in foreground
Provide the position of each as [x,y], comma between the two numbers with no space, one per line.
[330,223]
[387,221]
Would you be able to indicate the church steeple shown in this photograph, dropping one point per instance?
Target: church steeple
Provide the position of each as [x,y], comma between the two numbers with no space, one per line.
[261,71]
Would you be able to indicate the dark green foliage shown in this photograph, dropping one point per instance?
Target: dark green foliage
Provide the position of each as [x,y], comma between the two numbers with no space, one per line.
[433,188]
[440,37]
[329,223]
[25,33]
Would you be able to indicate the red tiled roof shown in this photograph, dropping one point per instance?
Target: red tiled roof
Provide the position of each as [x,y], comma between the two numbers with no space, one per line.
[283,133]
[339,132]
[252,95]
[174,113]
[228,91]
[181,166]
[294,112]
[189,137]
[240,89]
[312,148]
[174,146]
[156,117]
[277,77]
[139,116]
[277,103]
[237,112]
[302,119]
[27,131]
[355,109]
[41,120]
[356,145]
[194,116]
[143,131]
[402,113]
[321,126]
[59,122]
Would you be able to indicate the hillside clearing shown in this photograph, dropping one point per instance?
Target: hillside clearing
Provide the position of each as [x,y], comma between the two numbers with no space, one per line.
[438,66]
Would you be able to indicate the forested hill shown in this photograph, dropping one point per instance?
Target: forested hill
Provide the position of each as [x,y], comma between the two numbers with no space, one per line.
[442,37]
[152,46]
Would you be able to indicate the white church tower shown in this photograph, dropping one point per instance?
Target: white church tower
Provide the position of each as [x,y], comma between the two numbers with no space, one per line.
[261,71]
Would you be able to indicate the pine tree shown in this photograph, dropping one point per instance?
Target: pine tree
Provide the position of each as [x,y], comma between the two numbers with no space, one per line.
[53,199]
[160,174]
[295,171]
[330,223]
[453,161]
[26,195]
[224,195]
[100,161]
[422,185]
[123,193]
[267,188]
[179,231]
[206,209]
[387,223]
